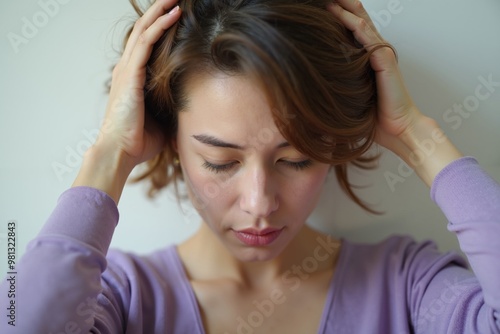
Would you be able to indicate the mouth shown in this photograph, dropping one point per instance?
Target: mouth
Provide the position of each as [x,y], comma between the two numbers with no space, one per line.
[254,237]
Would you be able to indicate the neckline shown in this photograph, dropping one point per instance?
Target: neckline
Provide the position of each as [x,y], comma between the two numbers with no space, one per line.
[195,308]
[335,281]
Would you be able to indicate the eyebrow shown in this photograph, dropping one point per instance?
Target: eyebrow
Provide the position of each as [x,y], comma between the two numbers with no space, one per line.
[216,142]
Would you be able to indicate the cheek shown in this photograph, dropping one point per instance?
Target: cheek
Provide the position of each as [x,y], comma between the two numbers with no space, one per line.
[214,197]
[308,191]
[208,194]
[318,180]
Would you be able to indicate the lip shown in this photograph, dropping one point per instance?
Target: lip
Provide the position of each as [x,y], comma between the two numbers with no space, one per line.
[254,237]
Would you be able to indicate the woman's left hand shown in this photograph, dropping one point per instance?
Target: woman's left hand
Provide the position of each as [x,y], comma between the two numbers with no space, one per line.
[401,127]
[396,110]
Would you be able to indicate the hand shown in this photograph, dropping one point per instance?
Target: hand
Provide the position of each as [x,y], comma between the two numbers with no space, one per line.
[125,126]
[401,127]
[127,138]
[396,110]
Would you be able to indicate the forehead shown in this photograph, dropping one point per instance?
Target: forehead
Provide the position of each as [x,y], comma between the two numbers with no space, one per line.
[226,104]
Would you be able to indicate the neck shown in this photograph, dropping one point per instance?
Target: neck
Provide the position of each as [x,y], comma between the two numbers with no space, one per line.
[309,253]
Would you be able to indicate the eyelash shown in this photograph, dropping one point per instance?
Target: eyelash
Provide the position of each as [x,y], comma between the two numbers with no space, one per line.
[298,166]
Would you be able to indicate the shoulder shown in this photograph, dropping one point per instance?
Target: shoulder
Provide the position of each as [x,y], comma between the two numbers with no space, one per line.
[398,258]
[395,285]
[150,292]
[386,282]
[160,263]
[130,276]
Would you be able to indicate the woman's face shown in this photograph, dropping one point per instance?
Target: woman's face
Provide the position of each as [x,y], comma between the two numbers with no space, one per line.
[248,184]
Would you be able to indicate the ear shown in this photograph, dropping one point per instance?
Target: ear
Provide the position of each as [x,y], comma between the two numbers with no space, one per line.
[174,145]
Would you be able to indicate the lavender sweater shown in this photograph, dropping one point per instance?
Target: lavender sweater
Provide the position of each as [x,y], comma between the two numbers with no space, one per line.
[68,282]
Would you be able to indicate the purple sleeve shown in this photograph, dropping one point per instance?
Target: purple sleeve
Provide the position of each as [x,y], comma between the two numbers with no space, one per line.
[58,281]
[455,301]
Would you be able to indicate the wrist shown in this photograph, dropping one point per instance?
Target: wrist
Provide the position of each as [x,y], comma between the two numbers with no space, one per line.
[104,169]
[426,149]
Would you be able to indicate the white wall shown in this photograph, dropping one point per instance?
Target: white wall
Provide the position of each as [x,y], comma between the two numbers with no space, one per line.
[52,94]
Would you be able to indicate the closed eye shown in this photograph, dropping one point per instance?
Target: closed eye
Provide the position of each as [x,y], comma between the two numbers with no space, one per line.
[300,165]
[216,168]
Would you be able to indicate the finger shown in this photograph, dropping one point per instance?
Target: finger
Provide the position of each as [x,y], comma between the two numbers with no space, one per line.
[144,45]
[158,9]
[356,7]
[361,29]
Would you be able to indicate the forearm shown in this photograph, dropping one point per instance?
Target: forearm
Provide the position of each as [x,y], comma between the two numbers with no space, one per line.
[105,169]
[426,149]
[58,278]
[470,199]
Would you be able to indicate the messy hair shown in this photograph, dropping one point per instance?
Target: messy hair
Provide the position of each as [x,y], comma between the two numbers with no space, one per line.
[314,73]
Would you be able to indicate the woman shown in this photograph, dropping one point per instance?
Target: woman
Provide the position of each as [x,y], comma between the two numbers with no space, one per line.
[251,104]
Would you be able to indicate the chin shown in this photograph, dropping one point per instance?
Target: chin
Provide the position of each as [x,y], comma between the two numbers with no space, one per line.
[256,254]
[254,257]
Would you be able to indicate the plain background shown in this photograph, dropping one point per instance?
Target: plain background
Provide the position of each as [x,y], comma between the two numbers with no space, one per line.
[53,99]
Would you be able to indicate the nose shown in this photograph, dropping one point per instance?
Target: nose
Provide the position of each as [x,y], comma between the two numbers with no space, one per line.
[258,194]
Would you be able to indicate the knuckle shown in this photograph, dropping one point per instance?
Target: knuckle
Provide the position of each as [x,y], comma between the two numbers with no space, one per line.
[143,39]
[362,23]
[358,5]
[138,25]
[389,53]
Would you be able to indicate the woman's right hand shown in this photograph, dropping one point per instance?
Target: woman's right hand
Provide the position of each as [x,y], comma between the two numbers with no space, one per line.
[126,138]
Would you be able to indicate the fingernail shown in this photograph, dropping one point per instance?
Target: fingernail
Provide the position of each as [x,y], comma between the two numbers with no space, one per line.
[174,10]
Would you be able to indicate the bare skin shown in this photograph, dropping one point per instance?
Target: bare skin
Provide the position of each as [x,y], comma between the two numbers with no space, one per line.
[231,276]
[258,190]
[284,294]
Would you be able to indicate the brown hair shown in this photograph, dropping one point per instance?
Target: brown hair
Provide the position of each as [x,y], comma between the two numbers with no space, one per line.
[315,74]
